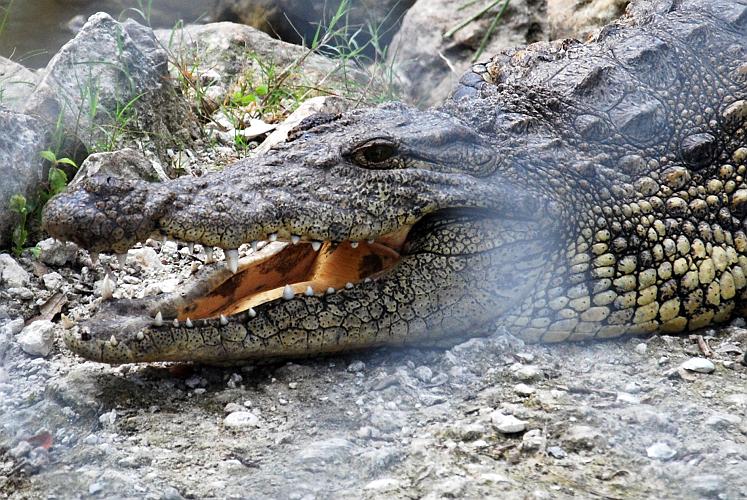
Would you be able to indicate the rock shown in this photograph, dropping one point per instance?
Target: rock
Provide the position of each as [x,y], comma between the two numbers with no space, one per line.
[723,420]
[468,431]
[146,257]
[12,274]
[241,419]
[429,64]
[556,452]
[125,163]
[582,437]
[53,281]
[37,338]
[526,373]
[325,452]
[115,65]
[383,484]
[507,424]
[297,20]
[223,47]
[533,441]
[56,253]
[660,451]
[578,18]
[16,83]
[709,485]
[698,365]
[524,390]
[424,374]
[21,167]
[108,418]
[641,348]
[356,366]
[20,450]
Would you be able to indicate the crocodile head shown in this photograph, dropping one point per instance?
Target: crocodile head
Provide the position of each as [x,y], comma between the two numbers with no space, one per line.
[386,225]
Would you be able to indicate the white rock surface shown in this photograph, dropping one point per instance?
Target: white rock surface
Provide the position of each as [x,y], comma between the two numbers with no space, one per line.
[37,338]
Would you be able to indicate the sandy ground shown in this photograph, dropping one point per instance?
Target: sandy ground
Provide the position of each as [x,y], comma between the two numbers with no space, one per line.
[490,417]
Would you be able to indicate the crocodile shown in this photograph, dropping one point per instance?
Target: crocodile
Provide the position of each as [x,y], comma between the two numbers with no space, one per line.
[565,191]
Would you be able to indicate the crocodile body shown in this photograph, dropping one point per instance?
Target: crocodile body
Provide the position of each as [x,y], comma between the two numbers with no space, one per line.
[566,191]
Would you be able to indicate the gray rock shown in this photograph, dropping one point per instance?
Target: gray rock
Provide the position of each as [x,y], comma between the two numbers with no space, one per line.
[698,365]
[12,274]
[56,253]
[708,484]
[53,280]
[20,450]
[466,431]
[125,163]
[424,374]
[578,18]
[429,64]
[16,83]
[526,373]
[241,419]
[147,257]
[723,420]
[582,437]
[333,450]
[21,167]
[37,338]
[507,424]
[382,485]
[524,390]
[660,451]
[115,64]
[556,452]
[641,348]
[533,441]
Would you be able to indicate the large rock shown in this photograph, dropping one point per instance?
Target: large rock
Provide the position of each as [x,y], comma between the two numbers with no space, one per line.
[579,18]
[16,83]
[430,64]
[220,55]
[297,20]
[107,87]
[126,163]
[21,168]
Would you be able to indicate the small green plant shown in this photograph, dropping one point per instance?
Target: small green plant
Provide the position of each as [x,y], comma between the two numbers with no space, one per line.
[20,234]
[57,178]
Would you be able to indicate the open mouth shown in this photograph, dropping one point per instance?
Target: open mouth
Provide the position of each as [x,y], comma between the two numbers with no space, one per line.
[288,269]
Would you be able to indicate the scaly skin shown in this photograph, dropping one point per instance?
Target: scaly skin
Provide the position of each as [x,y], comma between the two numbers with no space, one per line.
[568,191]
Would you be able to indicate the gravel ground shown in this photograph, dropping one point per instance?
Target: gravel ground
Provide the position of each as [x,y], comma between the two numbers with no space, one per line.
[660,417]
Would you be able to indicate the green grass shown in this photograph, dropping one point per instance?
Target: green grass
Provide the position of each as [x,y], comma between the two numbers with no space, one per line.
[477,15]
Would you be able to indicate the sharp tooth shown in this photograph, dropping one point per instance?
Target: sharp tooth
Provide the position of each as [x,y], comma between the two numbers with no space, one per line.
[158,320]
[122,259]
[208,254]
[255,245]
[188,323]
[273,237]
[252,313]
[330,290]
[232,259]
[348,285]
[113,340]
[94,257]
[370,242]
[107,288]
[288,292]
[223,320]
[191,247]
[175,323]
[354,244]
[309,291]
[295,239]
[316,245]
[140,335]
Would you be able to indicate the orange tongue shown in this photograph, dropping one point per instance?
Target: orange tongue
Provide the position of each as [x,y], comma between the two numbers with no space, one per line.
[298,266]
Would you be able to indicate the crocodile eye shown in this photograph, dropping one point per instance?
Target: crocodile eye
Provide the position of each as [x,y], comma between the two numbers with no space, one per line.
[377,153]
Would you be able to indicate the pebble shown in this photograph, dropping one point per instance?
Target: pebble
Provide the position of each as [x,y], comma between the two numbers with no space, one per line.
[146,257]
[698,365]
[356,366]
[582,437]
[424,374]
[383,484]
[556,452]
[20,450]
[723,420]
[108,418]
[469,431]
[56,253]
[641,348]
[660,451]
[11,272]
[507,424]
[533,441]
[52,281]
[708,485]
[240,419]
[524,389]
[232,407]
[37,338]
[526,373]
